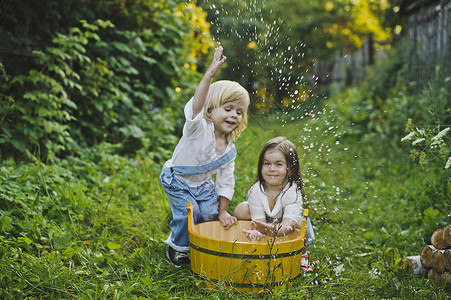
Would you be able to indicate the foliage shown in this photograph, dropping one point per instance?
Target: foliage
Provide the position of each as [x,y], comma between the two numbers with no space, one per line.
[380,106]
[26,26]
[274,45]
[428,131]
[68,220]
[379,110]
[93,225]
[118,83]
[430,143]
[366,19]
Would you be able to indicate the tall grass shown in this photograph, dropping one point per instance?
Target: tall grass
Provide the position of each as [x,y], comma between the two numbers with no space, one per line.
[92,226]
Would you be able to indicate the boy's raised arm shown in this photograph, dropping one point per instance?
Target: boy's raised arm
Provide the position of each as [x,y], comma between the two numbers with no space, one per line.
[200,95]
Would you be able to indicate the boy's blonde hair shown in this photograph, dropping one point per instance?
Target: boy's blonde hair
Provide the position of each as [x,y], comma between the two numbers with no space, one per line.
[224,91]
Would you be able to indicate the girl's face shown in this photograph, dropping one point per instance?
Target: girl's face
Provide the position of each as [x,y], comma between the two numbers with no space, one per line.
[274,168]
[227,117]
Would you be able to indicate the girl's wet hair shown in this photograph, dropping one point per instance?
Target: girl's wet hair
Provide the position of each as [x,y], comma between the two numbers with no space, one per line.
[291,156]
[224,91]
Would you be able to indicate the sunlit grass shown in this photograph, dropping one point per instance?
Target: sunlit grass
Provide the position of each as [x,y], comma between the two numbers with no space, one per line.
[98,230]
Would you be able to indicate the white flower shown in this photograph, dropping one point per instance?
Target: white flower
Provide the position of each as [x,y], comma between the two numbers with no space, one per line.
[408,137]
[421,131]
[438,138]
[448,163]
[417,141]
[440,134]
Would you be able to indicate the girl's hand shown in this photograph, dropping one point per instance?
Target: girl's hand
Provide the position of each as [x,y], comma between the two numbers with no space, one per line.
[253,235]
[216,63]
[226,219]
[265,228]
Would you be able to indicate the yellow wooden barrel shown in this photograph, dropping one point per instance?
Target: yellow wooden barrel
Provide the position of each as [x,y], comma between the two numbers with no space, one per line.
[226,256]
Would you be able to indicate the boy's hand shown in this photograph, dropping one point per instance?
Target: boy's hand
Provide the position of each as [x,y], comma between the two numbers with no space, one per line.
[216,63]
[226,219]
[200,96]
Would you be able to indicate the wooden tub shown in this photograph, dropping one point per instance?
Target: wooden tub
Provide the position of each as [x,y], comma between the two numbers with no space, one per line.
[227,257]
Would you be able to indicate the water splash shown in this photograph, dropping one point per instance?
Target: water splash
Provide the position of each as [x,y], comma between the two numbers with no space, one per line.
[247,24]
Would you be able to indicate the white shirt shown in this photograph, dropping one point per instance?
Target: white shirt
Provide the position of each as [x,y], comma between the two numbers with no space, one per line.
[288,203]
[197,147]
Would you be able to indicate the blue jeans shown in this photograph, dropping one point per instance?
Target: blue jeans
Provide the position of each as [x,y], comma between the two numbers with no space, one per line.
[204,205]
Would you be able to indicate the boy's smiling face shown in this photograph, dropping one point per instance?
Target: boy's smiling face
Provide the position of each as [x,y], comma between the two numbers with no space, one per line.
[227,117]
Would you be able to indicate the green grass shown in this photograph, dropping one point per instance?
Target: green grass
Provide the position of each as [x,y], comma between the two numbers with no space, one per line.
[92,227]
[365,210]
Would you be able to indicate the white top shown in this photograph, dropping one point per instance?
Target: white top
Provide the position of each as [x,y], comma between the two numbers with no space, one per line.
[196,148]
[288,203]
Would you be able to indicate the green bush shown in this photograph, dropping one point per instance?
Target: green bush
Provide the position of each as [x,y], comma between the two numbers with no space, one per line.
[373,119]
[104,83]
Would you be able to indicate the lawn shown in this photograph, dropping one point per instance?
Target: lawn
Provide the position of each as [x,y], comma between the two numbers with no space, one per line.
[92,226]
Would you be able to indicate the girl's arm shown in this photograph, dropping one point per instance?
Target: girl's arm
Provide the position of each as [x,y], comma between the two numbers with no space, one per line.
[253,235]
[200,96]
[287,226]
[293,211]
[224,217]
[271,229]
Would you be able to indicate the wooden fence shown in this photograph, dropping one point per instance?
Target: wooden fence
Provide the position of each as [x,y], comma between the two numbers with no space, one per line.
[429,35]
[429,40]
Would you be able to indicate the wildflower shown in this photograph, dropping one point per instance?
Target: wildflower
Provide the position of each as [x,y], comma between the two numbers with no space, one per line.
[448,163]
[438,138]
[417,141]
[408,137]
[440,134]
[153,109]
[421,131]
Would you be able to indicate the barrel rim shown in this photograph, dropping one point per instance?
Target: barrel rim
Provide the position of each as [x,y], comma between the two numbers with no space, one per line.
[191,232]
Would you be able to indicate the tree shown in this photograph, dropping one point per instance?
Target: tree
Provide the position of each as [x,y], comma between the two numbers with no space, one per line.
[274,44]
[116,72]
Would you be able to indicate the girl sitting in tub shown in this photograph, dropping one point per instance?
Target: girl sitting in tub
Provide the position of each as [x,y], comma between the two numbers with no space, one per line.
[275,200]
